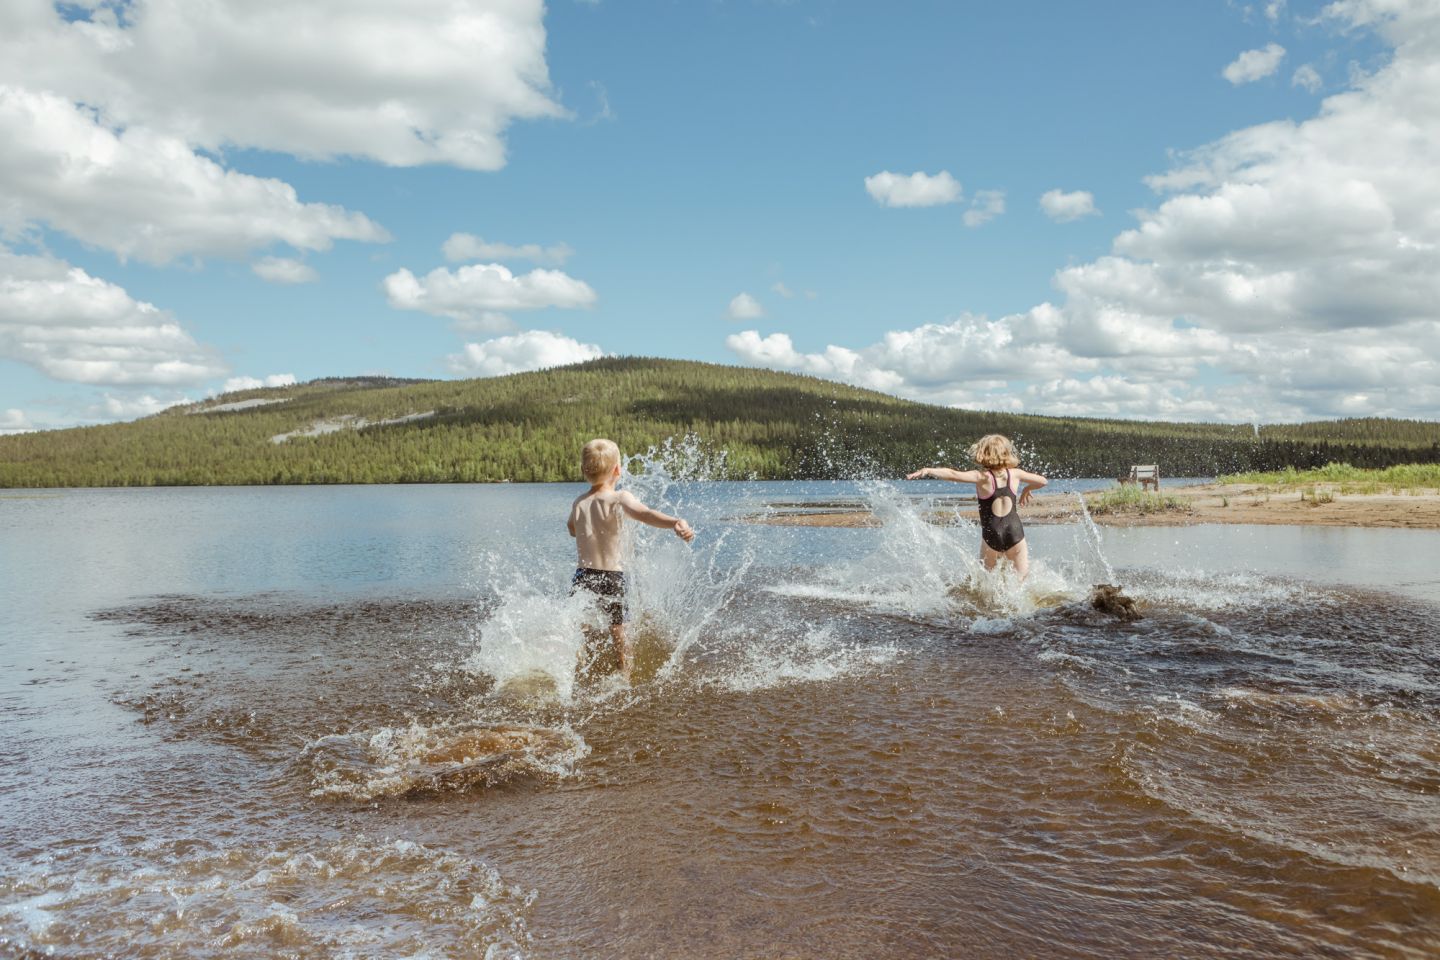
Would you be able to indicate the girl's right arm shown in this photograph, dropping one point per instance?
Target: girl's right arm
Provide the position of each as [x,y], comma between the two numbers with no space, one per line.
[945,473]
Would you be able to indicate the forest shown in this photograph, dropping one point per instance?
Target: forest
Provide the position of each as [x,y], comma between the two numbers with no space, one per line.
[530,427]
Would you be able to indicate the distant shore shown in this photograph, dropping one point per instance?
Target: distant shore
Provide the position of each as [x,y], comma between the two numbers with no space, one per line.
[1236,503]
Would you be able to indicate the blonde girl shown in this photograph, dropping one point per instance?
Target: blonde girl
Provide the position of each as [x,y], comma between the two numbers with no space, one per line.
[1001,534]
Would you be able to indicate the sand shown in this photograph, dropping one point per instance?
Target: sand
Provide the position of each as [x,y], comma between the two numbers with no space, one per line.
[1210,503]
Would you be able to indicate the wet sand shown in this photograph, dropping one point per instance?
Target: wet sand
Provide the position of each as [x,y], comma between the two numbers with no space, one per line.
[1207,503]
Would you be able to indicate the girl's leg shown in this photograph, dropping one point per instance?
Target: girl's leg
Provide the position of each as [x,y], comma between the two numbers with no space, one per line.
[1020,556]
[989,557]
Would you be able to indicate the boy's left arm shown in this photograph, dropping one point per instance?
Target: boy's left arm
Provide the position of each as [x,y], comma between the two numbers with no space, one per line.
[654,518]
[1031,481]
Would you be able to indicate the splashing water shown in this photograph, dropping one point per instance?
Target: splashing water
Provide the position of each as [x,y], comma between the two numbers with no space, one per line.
[1094,533]
[676,592]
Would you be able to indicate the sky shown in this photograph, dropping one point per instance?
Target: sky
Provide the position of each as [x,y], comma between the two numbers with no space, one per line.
[1205,211]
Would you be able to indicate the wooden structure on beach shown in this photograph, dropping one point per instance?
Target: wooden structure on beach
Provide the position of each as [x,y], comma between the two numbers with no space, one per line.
[1147,474]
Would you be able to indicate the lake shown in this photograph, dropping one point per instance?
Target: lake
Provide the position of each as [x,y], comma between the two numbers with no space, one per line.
[347,721]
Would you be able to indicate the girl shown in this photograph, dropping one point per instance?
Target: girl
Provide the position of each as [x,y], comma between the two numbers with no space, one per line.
[1001,534]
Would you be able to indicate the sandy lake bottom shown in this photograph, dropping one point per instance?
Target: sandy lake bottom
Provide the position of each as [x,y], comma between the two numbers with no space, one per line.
[347,722]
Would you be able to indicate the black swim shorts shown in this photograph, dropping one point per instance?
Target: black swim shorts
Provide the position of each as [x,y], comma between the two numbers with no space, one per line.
[608,586]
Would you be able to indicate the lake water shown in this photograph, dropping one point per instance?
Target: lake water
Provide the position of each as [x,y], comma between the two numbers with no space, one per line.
[346,721]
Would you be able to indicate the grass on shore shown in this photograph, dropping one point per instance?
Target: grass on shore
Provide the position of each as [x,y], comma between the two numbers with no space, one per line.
[1135,500]
[1343,478]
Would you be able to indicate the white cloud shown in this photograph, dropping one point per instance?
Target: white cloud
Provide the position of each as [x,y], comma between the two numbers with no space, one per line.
[913,190]
[1063,207]
[284,270]
[487,321]
[145,195]
[779,287]
[466,246]
[131,407]
[255,383]
[14,421]
[986,206]
[1290,271]
[428,81]
[745,307]
[72,326]
[1274,9]
[1254,65]
[471,292]
[1307,77]
[530,350]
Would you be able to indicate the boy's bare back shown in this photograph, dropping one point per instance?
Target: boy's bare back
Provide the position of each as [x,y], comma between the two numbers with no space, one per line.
[597,519]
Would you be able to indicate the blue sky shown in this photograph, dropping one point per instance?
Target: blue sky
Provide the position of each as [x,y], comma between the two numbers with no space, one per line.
[707,181]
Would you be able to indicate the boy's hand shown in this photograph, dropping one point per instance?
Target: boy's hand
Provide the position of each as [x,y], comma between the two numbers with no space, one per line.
[683,531]
[918,474]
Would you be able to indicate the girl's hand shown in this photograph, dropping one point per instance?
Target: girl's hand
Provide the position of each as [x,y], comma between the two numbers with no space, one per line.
[1025,497]
[920,474]
[683,531]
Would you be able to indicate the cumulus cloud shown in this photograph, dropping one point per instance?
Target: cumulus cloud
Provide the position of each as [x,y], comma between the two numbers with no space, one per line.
[14,421]
[284,270]
[913,190]
[780,289]
[466,246]
[745,307]
[986,206]
[529,350]
[1290,270]
[429,81]
[1254,65]
[114,407]
[1307,78]
[1063,207]
[472,292]
[145,195]
[255,383]
[72,326]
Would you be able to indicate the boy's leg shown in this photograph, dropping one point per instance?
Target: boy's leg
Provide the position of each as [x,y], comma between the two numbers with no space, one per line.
[622,649]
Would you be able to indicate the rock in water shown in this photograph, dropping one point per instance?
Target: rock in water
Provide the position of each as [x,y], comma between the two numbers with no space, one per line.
[1110,599]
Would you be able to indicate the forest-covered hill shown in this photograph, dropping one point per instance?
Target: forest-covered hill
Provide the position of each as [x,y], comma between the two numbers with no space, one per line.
[530,426]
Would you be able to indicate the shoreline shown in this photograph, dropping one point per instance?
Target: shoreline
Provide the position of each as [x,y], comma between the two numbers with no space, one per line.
[1233,503]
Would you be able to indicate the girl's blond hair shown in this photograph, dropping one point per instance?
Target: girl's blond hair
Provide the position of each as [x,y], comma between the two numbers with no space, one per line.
[598,458]
[994,450]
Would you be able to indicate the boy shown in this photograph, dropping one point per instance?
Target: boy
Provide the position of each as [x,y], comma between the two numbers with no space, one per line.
[595,520]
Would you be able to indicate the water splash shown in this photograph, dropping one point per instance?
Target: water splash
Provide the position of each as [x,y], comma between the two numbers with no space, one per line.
[1095,540]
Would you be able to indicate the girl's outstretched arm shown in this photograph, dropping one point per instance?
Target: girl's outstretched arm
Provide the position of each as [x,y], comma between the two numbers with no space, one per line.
[945,473]
[1032,481]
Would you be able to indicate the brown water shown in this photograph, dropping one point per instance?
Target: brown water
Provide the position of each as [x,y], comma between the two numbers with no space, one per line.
[346,723]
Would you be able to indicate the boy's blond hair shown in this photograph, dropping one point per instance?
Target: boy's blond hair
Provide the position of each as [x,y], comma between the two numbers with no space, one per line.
[598,458]
[994,450]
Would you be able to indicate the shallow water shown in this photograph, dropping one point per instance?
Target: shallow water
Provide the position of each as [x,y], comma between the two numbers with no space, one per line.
[346,721]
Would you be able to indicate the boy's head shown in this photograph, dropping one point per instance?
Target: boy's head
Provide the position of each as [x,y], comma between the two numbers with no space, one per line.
[994,452]
[599,459]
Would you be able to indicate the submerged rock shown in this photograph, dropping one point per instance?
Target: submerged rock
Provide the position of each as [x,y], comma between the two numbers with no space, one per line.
[1111,599]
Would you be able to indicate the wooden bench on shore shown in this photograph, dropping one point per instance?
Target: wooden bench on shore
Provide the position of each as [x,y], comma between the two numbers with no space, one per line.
[1146,475]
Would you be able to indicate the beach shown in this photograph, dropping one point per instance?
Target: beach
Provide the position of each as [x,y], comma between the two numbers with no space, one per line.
[1232,503]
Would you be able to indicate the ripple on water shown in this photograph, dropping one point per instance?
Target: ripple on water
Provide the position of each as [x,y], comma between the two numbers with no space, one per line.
[355,897]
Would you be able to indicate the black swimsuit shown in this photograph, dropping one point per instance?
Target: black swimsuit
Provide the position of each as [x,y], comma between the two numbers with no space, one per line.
[1000,533]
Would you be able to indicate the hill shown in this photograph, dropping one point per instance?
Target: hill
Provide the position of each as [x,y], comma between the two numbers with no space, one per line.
[530,426]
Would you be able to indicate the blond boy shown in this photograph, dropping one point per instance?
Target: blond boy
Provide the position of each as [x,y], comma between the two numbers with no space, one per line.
[595,520]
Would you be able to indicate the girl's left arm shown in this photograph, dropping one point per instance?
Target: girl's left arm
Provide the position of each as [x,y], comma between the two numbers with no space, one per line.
[1032,481]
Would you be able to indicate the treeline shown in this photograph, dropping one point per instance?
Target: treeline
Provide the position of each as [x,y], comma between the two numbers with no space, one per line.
[530,426]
